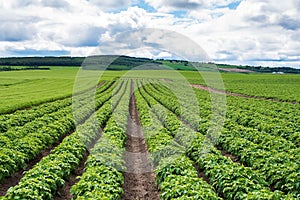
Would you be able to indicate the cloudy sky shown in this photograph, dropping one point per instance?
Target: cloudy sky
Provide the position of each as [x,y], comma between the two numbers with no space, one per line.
[255,32]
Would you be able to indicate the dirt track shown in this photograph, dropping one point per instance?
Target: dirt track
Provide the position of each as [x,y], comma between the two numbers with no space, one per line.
[202,87]
[139,177]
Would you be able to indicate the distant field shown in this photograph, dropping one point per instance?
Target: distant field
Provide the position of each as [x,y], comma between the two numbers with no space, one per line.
[284,87]
[21,89]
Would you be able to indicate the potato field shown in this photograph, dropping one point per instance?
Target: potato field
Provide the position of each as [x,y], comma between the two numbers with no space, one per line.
[151,138]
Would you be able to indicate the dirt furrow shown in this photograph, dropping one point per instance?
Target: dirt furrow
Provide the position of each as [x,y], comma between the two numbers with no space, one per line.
[139,177]
[229,155]
[16,177]
[64,193]
[224,153]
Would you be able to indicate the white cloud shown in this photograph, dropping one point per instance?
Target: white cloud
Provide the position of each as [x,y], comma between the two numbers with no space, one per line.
[164,54]
[255,30]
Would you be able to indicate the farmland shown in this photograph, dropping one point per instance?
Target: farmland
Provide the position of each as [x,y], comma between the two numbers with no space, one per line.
[149,135]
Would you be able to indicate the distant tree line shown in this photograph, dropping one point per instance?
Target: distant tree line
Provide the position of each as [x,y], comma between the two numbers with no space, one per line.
[41,61]
[115,62]
[287,70]
[261,69]
[10,68]
[86,62]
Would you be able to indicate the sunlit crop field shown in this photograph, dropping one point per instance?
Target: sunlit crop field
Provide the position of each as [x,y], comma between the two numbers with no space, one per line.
[150,132]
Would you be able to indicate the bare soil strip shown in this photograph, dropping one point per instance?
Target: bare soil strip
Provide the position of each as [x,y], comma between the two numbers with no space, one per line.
[64,193]
[201,174]
[139,177]
[209,89]
[235,70]
[166,80]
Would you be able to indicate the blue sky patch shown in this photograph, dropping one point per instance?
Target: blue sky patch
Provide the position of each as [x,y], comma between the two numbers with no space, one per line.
[234,5]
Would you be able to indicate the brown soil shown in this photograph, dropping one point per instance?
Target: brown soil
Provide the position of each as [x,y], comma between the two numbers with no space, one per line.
[139,178]
[64,193]
[167,80]
[100,84]
[227,154]
[209,89]
[201,174]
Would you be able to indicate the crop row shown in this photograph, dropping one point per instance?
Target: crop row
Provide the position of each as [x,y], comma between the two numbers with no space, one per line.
[28,143]
[175,173]
[274,157]
[260,137]
[277,119]
[44,179]
[21,117]
[281,169]
[231,180]
[103,178]
[21,121]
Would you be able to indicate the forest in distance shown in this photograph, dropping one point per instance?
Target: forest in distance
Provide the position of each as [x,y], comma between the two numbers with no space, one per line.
[116,62]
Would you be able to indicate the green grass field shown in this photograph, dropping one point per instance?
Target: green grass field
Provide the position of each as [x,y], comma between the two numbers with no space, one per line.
[21,89]
[284,87]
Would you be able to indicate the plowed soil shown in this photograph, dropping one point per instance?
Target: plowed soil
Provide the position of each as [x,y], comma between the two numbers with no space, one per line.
[139,177]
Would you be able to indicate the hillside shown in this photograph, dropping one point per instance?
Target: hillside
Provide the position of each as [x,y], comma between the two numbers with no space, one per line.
[116,62]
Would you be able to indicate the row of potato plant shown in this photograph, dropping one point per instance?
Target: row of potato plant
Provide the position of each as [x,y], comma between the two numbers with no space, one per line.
[175,173]
[281,169]
[103,177]
[270,154]
[46,177]
[27,144]
[230,179]
[259,137]
[268,124]
[21,117]
[256,114]
[17,132]
[273,118]
[276,158]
